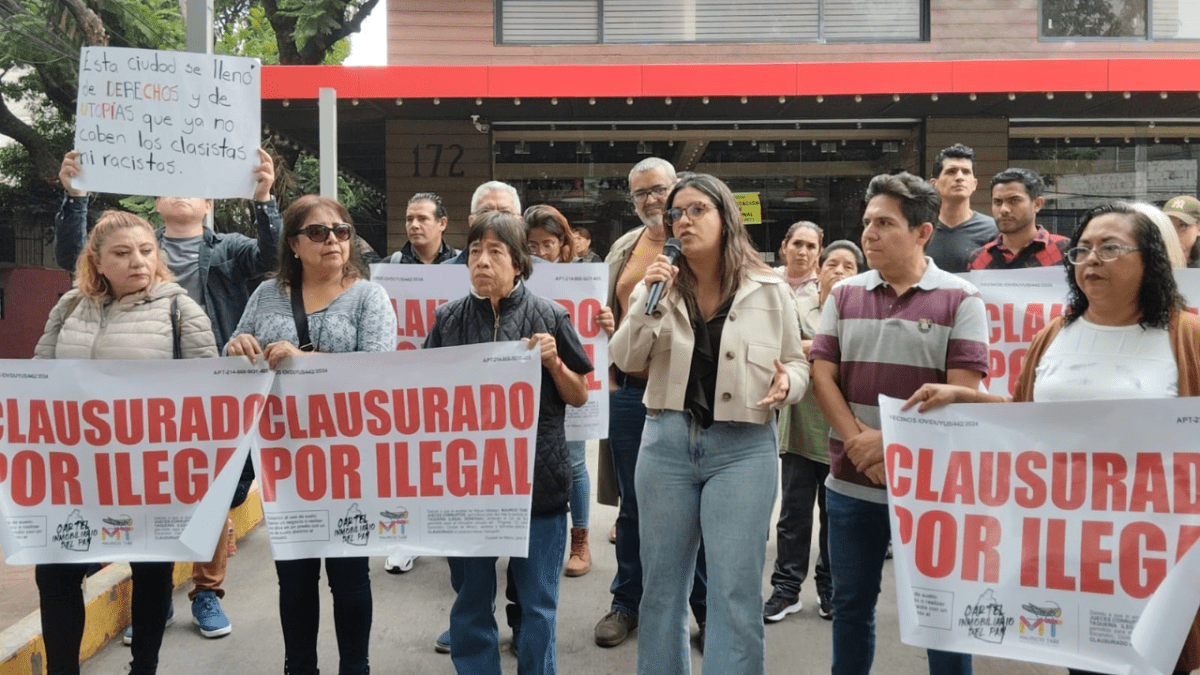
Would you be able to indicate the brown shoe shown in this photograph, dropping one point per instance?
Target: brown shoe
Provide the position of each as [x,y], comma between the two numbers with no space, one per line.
[614,628]
[580,562]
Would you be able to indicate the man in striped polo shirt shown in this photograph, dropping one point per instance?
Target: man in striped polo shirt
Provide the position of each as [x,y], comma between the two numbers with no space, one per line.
[888,331]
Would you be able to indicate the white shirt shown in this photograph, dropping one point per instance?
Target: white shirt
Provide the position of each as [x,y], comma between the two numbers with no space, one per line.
[1087,361]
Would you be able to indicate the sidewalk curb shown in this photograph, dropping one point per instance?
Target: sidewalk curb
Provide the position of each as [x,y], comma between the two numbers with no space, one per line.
[106,596]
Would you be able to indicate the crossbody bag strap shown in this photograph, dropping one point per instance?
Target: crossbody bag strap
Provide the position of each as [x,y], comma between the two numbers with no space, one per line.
[176,320]
[301,318]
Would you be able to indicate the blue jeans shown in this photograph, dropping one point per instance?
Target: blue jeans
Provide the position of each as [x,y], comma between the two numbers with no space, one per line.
[719,482]
[626,415]
[581,484]
[300,612]
[859,532]
[473,632]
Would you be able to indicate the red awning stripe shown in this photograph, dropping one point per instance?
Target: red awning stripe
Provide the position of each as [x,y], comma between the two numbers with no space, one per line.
[734,79]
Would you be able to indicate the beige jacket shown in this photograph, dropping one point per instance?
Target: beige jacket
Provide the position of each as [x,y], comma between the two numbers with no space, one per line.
[761,326]
[134,327]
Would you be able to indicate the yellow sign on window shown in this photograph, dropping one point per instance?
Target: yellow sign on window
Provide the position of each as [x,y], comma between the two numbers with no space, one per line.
[750,206]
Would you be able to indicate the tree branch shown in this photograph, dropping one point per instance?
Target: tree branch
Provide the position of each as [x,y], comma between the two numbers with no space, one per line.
[39,150]
[316,48]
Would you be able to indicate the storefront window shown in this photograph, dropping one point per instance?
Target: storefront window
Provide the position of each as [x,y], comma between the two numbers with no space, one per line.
[791,179]
[1094,18]
[1081,173]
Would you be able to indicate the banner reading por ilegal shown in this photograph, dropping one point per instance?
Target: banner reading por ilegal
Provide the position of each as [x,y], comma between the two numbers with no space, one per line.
[116,461]
[418,290]
[426,452]
[1060,533]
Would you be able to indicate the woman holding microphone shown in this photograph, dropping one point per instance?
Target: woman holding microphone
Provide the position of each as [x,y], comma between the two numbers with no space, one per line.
[723,350]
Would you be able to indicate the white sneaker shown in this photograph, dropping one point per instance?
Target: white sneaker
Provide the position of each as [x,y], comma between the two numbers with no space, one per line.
[398,564]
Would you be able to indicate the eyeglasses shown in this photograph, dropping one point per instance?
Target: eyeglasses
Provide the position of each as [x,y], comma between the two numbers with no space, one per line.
[1105,252]
[548,246]
[319,232]
[671,216]
[657,191]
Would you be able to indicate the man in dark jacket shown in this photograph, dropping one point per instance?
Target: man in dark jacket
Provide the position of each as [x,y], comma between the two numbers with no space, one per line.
[499,307]
[214,268]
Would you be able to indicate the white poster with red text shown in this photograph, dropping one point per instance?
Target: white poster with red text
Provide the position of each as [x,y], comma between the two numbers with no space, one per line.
[122,460]
[1020,303]
[425,452]
[1059,533]
[418,290]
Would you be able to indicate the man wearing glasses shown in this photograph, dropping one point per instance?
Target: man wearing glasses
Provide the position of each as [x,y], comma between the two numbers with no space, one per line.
[214,268]
[650,181]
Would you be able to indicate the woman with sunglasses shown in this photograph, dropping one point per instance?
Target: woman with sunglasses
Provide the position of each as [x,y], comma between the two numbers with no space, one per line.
[320,293]
[723,349]
[1124,335]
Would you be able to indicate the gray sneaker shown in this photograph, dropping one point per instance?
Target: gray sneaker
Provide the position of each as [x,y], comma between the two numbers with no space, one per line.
[127,636]
[615,627]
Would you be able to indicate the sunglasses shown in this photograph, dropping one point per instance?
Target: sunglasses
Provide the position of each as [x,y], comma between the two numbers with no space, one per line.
[319,232]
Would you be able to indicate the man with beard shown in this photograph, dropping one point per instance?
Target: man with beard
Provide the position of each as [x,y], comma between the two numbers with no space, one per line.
[1016,200]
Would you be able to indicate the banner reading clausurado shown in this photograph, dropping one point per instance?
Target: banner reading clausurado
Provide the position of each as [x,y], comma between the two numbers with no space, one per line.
[427,452]
[121,460]
[1059,533]
[1021,302]
[418,290]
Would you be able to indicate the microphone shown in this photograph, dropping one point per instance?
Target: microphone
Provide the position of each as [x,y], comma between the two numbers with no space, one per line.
[671,249]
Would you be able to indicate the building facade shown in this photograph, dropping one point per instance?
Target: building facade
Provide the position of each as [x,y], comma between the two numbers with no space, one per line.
[795,103]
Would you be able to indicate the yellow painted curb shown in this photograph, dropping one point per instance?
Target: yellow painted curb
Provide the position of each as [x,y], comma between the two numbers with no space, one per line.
[106,596]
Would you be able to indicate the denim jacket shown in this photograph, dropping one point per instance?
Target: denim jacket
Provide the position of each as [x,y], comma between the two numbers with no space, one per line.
[227,260]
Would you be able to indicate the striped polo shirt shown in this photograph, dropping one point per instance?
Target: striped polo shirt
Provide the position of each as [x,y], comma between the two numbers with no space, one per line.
[884,344]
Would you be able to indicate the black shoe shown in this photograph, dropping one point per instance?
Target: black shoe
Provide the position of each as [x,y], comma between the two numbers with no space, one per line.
[825,611]
[615,627]
[780,606]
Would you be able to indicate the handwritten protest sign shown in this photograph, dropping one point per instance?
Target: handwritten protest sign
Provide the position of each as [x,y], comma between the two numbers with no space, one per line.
[427,452]
[418,290]
[1020,303]
[167,123]
[117,460]
[1047,532]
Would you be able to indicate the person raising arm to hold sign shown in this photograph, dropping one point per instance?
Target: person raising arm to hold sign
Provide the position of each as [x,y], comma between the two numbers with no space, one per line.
[1126,334]
[124,306]
[213,267]
[723,351]
[318,302]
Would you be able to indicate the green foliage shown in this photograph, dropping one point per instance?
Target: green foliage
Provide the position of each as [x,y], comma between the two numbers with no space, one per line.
[150,24]
[250,35]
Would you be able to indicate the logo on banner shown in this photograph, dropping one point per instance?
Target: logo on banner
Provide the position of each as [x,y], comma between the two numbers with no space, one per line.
[985,620]
[116,531]
[353,528]
[1040,623]
[75,534]
[392,524]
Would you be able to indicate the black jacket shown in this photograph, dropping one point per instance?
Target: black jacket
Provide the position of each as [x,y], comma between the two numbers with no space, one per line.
[471,320]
